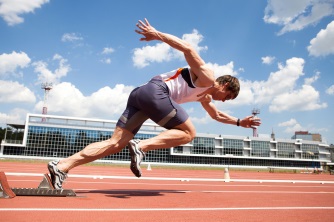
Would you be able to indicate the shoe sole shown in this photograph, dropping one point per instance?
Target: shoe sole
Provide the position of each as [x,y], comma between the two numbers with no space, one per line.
[136,153]
[54,177]
[52,174]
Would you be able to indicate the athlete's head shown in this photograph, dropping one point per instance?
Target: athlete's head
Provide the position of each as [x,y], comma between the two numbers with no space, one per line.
[232,84]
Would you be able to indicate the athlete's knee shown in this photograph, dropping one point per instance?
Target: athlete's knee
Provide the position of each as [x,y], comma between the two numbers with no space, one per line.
[190,135]
[114,145]
[119,139]
[189,129]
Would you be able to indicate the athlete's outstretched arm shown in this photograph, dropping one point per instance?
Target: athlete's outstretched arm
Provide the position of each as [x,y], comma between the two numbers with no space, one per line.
[247,122]
[196,63]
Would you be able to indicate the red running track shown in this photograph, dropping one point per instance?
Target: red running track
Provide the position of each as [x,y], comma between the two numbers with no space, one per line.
[163,195]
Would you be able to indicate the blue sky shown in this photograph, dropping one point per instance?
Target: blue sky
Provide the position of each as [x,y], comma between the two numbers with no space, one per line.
[281,50]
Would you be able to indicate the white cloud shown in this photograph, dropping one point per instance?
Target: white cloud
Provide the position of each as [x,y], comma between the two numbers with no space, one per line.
[113,99]
[162,52]
[71,37]
[306,98]
[190,110]
[281,93]
[11,10]
[66,99]
[330,90]
[309,81]
[14,92]
[291,126]
[290,122]
[106,60]
[142,57]
[107,51]
[296,15]
[268,60]
[15,116]
[194,39]
[9,63]
[46,75]
[246,95]
[322,44]
[279,82]
[280,90]
[204,120]
[220,70]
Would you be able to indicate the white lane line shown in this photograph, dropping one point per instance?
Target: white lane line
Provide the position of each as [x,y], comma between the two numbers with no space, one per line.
[203,191]
[166,209]
[183,184]
[178,179]
[270,192]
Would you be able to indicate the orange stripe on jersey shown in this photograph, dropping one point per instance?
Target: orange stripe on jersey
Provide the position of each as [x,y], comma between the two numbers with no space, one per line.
[178,72]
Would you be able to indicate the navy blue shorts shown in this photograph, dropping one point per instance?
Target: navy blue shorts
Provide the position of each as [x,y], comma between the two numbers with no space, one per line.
[151,101]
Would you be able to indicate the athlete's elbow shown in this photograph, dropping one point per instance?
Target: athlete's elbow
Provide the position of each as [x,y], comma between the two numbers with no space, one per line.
[188,49]
[215,117]
[188,46]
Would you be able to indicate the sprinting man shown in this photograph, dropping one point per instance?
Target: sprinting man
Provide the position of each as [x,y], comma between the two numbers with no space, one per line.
[159,100]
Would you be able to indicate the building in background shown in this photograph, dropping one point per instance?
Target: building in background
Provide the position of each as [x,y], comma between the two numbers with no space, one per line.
[305,135]
[60,136]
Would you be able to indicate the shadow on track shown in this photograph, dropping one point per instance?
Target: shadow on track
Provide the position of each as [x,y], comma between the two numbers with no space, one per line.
[130,193]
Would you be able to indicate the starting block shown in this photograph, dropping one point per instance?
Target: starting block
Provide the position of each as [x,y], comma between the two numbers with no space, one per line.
[45,188]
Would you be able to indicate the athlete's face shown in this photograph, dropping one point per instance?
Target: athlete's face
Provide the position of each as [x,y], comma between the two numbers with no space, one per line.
[222,93]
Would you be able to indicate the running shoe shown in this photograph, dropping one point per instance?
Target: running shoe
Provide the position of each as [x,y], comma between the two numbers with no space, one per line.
[57,176]
[137,156]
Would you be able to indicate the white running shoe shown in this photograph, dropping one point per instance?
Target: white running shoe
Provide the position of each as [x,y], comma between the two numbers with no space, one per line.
[57,176]
[137,156]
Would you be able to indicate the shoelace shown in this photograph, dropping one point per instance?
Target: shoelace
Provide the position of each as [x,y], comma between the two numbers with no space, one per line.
[137,141]
[144,154]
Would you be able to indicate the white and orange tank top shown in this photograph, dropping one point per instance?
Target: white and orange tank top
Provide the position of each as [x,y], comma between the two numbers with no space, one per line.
[181,87]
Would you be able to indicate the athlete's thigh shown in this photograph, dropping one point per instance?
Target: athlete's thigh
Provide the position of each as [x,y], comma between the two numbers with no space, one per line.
[132,117]
[153,99]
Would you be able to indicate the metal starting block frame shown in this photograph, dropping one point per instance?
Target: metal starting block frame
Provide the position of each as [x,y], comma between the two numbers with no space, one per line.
[45,188]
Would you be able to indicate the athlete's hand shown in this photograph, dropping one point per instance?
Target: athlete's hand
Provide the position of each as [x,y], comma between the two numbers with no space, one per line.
[148,31]
[250,122]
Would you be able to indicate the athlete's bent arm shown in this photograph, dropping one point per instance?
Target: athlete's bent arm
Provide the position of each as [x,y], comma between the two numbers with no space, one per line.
[204,75]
